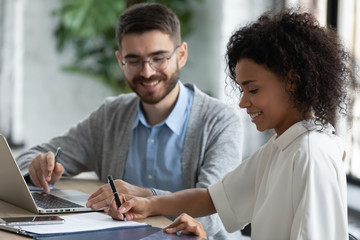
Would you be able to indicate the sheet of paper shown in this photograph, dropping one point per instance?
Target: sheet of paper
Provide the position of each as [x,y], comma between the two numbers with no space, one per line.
[81,222]
[34,188]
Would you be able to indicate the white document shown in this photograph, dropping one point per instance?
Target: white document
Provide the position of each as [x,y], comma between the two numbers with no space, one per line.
[80,223]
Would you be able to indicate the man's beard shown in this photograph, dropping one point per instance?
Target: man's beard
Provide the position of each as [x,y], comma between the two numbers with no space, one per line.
[153,97]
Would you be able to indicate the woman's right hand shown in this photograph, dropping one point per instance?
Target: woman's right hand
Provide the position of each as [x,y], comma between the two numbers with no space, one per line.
[132,207]
[185,224]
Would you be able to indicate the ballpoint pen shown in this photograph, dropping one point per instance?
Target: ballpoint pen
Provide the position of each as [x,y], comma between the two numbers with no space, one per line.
[57,155]
[116,195]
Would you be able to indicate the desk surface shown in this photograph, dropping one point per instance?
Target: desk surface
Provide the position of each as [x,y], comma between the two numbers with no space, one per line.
[84,185]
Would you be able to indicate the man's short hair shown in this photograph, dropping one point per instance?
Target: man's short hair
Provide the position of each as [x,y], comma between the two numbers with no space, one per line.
[143,17]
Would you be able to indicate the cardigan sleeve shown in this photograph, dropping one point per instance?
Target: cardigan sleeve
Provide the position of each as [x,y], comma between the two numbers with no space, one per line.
[89,145]
[78,151]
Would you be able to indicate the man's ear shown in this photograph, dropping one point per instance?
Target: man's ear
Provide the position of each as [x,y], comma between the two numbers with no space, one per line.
[119,58]
[182,54]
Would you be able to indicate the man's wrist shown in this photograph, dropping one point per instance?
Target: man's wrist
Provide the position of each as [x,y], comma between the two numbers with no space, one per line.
[144,192]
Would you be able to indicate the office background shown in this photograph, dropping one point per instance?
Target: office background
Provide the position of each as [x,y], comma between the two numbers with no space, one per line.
[38,100]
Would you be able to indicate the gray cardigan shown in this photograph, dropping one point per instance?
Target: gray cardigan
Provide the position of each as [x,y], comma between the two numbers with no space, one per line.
[100,143]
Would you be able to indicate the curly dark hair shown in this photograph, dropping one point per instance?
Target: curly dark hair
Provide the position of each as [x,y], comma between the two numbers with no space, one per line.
[296,48]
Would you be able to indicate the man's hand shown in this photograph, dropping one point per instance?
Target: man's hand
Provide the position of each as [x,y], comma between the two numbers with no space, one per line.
[43,171]
[104,195]
[186,225]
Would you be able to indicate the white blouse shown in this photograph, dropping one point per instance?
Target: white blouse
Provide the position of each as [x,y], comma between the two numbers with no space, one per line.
[293,187]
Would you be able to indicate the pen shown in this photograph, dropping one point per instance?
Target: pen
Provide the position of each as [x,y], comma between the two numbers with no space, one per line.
[116,195]
[57,155]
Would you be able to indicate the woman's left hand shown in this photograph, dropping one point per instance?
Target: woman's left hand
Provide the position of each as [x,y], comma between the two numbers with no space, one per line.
[186,225]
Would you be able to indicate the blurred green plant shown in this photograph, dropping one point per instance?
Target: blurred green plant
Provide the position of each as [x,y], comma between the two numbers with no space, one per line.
[88,26]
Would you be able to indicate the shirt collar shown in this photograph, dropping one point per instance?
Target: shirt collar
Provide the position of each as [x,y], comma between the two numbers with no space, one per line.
[139,117]
[177,116]
[298,129]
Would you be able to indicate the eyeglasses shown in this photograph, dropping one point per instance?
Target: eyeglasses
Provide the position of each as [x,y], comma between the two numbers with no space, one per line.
[158,62]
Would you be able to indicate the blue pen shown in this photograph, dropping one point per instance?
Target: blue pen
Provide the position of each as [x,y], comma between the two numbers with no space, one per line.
[116,195]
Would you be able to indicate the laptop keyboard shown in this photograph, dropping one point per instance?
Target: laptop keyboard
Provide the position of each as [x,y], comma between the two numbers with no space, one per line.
[48,201]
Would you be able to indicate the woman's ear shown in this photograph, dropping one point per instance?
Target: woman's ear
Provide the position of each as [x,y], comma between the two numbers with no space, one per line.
[182,54]
[292,81]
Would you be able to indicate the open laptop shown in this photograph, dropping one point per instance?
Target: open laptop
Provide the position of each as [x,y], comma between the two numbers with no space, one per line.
[14,190]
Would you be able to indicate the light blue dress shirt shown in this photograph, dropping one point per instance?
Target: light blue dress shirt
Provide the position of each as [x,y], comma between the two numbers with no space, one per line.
[154,158]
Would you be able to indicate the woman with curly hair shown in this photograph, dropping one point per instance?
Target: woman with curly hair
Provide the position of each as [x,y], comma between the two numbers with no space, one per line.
[293,77]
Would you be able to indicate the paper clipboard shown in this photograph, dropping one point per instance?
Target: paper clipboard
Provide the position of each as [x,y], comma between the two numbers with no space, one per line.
[74,224]
[123,231]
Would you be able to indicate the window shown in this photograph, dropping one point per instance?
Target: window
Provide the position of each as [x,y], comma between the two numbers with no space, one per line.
[345,17]
[349,29]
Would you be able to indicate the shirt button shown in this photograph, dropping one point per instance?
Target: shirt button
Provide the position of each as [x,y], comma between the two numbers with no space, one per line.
[150,176]
[152,140]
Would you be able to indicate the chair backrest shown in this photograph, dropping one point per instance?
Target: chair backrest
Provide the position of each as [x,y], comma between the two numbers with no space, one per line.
[352,237]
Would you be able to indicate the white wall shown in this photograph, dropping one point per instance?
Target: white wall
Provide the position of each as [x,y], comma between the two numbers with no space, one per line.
[205,55]
[53,100]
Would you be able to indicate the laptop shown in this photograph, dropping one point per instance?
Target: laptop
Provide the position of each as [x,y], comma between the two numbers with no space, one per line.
[14,190]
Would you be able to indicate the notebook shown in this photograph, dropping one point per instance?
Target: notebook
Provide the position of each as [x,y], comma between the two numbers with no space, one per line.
[14,190]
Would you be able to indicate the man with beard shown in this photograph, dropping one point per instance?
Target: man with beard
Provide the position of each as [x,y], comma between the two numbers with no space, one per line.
[164,137]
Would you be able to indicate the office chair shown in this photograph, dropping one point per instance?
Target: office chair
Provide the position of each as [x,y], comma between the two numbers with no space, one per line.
[352,237]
